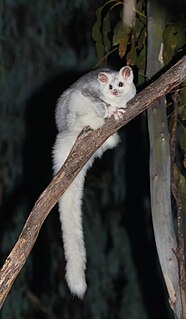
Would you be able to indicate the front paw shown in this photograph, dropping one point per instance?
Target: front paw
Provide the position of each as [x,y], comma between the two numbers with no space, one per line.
[119,113]
[110,113]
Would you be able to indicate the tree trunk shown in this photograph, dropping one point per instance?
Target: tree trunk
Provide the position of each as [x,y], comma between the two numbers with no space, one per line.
[84,148]
[160,181]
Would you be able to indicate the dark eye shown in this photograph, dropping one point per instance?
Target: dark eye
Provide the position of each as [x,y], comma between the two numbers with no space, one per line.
[110,86]
[120,84]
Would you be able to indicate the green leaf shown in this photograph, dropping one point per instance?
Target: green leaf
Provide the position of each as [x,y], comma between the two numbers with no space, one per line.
[121,37]
[142,38]
[118,33]
[140,62]
[106,30]
[137,28]
[140,12]
[96,34]
[97,25]
[132,55]
[173,39]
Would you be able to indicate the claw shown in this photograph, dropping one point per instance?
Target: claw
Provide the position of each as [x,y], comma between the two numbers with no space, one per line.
[110,113]
[119,113]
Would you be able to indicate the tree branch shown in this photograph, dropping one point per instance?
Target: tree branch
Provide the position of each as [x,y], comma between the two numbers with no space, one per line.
[87,143]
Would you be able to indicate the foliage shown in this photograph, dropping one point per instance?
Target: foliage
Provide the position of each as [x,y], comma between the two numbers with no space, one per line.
[112,35]
[131,45]
[39,40]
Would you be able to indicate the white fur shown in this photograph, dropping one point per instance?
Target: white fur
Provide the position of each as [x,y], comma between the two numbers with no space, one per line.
[125,93]
[76,110]
[71,201]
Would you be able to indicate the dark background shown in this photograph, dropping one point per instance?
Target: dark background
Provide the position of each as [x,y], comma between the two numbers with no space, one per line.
[45,46]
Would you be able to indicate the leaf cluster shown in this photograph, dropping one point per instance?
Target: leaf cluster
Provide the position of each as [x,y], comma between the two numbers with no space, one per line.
[111,36]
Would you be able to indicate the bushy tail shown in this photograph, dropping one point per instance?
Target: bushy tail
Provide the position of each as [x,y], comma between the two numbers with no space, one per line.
[71,220]
[70,213]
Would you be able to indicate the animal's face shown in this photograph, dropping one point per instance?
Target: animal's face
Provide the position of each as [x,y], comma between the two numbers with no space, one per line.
[116,85]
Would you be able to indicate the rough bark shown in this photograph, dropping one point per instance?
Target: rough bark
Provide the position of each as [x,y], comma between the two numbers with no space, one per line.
[87,143]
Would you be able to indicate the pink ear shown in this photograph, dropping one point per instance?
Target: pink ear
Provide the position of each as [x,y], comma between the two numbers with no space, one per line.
[126,72]
[103,77]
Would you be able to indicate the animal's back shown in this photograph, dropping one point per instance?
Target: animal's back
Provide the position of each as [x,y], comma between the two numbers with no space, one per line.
[88,85]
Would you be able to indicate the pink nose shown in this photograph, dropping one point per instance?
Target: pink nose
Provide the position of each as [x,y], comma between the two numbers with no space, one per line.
[115,92]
